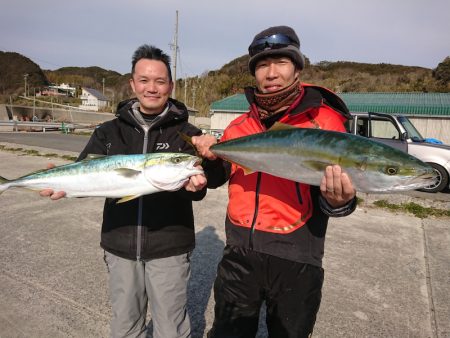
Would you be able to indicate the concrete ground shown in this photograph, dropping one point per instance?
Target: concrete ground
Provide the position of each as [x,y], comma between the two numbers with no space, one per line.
[386,274]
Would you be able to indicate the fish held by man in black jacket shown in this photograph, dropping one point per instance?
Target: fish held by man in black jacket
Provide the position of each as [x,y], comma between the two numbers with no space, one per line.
[117,176]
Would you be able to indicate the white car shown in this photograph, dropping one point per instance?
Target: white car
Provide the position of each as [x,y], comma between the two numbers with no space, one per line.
[398,132]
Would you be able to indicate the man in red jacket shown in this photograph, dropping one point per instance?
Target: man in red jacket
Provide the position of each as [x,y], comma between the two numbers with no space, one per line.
[276,227]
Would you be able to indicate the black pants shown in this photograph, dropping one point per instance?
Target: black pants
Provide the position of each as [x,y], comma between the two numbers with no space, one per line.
[245,278]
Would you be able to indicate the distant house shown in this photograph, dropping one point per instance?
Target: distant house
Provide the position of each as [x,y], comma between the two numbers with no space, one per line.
[58,90]
[92,99]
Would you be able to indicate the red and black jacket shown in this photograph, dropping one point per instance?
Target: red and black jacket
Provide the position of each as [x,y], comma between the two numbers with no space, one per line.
[277,216]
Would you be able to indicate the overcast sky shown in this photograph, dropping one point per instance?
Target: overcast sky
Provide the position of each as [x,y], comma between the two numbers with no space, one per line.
[105,33]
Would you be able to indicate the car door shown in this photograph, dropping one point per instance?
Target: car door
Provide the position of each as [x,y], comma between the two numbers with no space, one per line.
[383,128]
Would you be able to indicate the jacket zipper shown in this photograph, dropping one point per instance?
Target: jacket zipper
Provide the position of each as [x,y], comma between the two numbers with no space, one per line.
[255,215]
[146,128]
[140,227]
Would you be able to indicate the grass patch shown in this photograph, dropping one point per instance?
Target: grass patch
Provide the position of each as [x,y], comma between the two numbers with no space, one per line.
[68,157]
[32,152]
[83,133]
[413,208]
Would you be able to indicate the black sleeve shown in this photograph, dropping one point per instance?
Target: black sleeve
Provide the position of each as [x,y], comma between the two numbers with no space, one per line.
[337,212]
[96,144]
[217,172]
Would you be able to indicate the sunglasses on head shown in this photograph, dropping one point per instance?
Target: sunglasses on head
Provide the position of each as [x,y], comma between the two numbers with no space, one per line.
[275,41]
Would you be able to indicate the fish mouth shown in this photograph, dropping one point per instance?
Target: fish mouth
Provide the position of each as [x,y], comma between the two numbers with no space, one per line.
[194,166]
[198,161]
[424,180]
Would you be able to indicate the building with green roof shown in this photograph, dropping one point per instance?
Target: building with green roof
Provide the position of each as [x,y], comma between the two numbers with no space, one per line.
[421,104]
[411,104]
[430,112]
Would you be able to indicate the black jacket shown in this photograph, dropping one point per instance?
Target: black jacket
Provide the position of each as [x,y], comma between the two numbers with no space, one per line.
[156,225]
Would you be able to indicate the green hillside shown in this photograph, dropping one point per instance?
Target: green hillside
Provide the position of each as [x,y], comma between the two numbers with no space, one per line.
[200,91]
[13,70]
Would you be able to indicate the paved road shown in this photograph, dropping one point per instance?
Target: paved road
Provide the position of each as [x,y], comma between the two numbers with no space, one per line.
[387,275]
[53,140]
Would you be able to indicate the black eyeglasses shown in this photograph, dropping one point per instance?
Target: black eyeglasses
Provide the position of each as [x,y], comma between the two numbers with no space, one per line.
[275,41]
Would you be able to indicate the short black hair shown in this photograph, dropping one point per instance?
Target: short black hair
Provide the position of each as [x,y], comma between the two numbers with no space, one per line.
[151,53]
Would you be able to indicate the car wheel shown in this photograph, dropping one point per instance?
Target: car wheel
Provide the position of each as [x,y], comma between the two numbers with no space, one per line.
[442,181]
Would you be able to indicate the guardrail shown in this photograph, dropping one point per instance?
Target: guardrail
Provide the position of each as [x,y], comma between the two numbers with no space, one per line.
[44,126]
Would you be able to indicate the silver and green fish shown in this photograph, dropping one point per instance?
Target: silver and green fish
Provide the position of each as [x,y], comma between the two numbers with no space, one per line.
[116,176]
[301,155]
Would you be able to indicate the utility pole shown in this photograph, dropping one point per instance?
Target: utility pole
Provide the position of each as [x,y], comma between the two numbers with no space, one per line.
[103,82]
[185,90]
[174,58]
[194,88]
[25,76]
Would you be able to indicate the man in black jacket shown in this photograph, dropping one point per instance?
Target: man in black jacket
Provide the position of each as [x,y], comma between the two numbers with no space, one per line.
[148,241]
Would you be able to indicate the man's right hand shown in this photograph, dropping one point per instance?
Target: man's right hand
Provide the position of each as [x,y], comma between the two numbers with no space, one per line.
[49,192]
[203,143]
[52,194]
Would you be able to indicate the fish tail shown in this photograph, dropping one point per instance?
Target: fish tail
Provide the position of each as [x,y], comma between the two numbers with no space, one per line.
[3,185]
[188,139]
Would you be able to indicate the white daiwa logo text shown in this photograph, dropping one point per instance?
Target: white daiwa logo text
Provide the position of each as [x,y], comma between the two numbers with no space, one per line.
[162,146]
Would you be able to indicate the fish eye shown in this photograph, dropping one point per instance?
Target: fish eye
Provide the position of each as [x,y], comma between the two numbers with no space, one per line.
[391,170]
[177,160]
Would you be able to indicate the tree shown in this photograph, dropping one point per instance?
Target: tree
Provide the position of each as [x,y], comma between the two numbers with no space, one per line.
[442,71]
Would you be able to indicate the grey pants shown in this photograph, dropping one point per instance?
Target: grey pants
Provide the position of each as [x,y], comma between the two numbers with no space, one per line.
[162,283]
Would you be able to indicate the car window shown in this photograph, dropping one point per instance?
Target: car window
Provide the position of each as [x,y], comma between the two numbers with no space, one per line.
[384,129]
[362,127]
[413,133]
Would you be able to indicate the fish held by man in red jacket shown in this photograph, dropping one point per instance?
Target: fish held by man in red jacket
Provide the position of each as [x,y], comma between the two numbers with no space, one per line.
[302,154]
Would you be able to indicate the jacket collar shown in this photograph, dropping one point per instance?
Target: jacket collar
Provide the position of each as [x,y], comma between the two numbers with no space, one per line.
[314,97]
[176,111]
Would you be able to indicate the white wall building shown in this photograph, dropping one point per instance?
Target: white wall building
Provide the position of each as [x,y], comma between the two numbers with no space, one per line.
[92,99]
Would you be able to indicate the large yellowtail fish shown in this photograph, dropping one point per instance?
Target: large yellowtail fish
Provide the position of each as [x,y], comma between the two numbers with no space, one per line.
[116,176]
[302,154]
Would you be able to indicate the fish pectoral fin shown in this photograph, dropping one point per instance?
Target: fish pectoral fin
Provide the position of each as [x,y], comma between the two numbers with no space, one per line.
[281,126]
[93,156]
[316,165]
[127,198]
[127,172]
[363,164]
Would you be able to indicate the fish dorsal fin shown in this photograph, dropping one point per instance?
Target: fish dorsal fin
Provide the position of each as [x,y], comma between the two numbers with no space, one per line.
[281,126]
[127,172]
[127,198]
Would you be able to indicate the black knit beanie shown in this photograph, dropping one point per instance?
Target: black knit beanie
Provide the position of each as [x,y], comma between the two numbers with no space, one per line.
[292,50]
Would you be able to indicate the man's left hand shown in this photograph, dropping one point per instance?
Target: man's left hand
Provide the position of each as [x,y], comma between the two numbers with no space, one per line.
[337,187]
